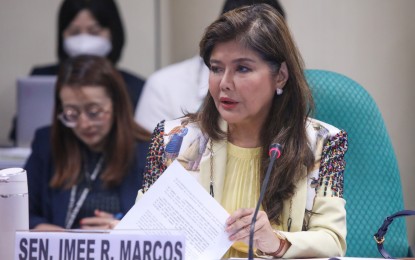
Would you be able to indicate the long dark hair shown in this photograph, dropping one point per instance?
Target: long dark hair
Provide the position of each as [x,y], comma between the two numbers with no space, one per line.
[107,15]
[76,73]
[262,29]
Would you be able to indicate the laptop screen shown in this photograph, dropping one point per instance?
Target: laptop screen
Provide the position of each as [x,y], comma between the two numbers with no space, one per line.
[35,100]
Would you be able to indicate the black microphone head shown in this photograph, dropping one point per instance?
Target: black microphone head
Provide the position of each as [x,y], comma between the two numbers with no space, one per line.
[275,150]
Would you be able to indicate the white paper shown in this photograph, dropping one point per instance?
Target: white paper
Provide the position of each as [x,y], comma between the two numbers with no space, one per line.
[176,201]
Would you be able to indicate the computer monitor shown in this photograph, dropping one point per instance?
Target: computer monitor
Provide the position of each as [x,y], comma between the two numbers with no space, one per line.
[35,101]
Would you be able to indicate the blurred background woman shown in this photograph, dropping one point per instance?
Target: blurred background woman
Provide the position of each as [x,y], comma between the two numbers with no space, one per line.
[84,170]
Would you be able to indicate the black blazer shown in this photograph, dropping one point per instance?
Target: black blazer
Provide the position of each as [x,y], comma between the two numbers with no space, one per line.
[133,83]
[47,205]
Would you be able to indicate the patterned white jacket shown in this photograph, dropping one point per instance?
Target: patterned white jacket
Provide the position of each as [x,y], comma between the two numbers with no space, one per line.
[320,234]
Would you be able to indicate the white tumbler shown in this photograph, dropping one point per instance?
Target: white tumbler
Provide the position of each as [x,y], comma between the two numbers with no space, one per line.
[14,208]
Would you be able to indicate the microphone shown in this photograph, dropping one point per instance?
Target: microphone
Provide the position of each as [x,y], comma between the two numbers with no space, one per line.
[274,154]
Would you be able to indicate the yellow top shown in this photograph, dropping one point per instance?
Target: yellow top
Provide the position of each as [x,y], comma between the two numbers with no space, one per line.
[241,187]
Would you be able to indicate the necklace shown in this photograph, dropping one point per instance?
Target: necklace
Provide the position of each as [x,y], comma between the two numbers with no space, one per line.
[289,221]
[211,168]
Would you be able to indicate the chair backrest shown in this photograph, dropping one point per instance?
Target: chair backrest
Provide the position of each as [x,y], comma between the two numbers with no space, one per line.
[35,102]
[372,185]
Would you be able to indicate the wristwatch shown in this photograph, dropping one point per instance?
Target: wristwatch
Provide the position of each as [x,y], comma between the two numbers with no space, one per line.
[283,241]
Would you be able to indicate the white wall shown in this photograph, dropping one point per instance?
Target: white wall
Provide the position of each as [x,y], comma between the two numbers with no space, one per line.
[371,41]
[27,36]
[188,22]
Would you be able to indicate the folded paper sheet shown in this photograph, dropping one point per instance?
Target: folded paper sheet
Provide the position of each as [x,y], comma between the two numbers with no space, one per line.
[176,201]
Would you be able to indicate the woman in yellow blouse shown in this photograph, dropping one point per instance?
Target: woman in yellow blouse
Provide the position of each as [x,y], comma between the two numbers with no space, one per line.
[258,96]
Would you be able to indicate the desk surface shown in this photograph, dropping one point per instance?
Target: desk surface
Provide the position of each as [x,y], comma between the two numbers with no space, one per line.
[333,258]
[13,157]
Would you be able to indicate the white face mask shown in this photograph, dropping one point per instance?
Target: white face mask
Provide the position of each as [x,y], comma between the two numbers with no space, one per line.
[87,44]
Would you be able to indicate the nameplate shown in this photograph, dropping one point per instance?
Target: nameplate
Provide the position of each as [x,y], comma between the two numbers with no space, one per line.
[122,245]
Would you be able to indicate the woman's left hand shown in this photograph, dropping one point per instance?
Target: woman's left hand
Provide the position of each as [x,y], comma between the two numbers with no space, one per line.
[101,220]
[238,226]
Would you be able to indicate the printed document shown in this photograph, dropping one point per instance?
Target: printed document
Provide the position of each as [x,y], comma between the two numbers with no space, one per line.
[176,201]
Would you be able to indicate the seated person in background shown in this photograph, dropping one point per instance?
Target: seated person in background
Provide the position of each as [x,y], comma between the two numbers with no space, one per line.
[92,27]
[84,170]
[180,88]
[258,96]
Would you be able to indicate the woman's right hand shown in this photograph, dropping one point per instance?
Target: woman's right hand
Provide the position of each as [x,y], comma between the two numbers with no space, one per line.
[101,220]
[238,227]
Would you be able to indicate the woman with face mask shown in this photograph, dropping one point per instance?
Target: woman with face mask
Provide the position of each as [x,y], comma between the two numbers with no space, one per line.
[92,27]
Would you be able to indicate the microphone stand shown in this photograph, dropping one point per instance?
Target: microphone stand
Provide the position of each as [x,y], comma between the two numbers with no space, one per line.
[274,154]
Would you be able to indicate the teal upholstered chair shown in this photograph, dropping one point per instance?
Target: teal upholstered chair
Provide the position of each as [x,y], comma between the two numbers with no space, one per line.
[372,185]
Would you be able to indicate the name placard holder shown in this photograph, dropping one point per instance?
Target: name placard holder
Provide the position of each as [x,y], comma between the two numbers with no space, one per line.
[77,244]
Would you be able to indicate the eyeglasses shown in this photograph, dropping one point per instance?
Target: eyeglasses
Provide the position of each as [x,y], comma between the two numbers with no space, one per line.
[70,115]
